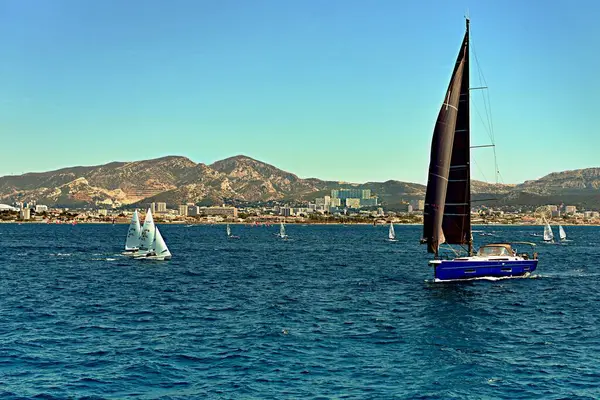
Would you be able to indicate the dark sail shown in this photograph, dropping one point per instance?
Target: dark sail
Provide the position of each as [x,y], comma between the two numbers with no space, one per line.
[447,200]
[457,214]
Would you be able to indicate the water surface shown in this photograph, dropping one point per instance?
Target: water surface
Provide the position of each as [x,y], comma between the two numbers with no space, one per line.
[336,312]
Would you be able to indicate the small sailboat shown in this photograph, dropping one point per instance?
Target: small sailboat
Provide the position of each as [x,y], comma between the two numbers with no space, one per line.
[158,251]
[548,234]
[447,213]
[282,233]
[132,243]
[562,234]
[391,233]
[147,235]
[229,235]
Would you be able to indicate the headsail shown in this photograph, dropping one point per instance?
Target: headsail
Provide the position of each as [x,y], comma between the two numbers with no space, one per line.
[548,235]
[228,230]
[391,233]
[447,214]
[561,233]
[148,231]
[160,247]
[133,233]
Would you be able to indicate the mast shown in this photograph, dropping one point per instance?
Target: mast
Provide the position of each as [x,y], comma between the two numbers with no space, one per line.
[447,214]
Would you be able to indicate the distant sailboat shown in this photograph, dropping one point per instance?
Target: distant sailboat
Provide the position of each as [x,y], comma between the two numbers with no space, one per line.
[561,233]
[229,235]
[391,233]
[282,233]
[548,235]
[158,251]
[132,243]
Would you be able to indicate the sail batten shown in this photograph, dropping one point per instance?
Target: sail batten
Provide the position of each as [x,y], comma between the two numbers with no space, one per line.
[447,214]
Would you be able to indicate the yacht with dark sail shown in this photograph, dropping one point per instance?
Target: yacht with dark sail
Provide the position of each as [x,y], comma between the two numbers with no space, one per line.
[447,214]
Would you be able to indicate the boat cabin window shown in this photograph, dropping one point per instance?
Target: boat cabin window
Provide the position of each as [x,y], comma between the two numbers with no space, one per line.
[493,251]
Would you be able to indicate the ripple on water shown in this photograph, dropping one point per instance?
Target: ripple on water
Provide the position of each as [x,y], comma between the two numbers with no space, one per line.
[336,313]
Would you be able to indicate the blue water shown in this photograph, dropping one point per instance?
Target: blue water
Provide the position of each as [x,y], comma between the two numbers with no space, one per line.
[337,312]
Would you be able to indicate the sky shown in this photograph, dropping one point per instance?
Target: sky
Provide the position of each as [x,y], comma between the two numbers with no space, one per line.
[340,90]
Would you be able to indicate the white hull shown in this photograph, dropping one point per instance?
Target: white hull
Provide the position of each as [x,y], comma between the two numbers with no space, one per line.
[153,258]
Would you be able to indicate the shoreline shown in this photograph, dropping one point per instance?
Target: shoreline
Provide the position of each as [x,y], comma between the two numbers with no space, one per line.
[274,223]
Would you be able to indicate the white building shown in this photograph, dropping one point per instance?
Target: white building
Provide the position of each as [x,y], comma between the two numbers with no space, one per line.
[25,213]
[161,207]
[6,207]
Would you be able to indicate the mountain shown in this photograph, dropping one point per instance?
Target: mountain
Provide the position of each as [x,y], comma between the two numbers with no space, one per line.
[579,181]
[178,180]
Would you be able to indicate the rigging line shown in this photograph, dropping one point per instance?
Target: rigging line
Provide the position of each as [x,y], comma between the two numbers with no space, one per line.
[480,170]
[488,111]
[486,127]
[487,104]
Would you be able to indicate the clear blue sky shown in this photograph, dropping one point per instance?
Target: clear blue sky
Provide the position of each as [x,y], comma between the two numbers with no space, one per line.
[344,89]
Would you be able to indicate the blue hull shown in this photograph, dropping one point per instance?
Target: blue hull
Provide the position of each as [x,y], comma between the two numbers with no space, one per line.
[460,269]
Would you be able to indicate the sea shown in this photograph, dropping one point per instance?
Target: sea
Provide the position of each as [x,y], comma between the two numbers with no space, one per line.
[335,312]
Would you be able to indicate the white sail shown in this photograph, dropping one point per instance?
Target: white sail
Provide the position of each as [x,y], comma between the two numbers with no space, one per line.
[160,247]
[282,230]
[391,233]
[228,230]
[548,235]
[133,234]
[148,232]
[561,233]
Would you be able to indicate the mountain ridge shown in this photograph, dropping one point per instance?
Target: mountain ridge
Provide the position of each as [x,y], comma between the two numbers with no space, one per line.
[178,180]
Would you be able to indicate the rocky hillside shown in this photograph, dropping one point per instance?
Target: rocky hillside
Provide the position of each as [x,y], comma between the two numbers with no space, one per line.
[579,181]
[177,180]
[172,179]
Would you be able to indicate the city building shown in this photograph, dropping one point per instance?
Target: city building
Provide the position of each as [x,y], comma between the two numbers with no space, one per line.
[418,205]
[353,202]
[39,208]
[570,210]
[193,211]
[344,194]
[225,211]
[183,210]
[405,207]
[370,202]
[25,213]
[161,207]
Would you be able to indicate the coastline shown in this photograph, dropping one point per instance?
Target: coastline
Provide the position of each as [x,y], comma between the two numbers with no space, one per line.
[274,223]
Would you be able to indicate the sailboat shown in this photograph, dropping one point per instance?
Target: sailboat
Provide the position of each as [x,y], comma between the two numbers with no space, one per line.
[282,233]
[391,233]
[132,243]
[447,213]
[562,234]
[147,235]
[229,235]
[158,250]
[548,234]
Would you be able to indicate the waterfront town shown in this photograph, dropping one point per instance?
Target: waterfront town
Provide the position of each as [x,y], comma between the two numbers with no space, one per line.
[341,206]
